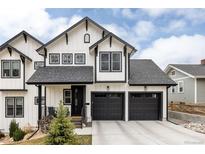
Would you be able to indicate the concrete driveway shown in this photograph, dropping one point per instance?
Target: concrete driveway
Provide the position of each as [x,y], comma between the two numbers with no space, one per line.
[143,132]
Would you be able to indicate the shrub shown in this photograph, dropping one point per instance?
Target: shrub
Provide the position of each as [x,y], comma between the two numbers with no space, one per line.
[13,127]
[61,129]
[2,135]
[18,134]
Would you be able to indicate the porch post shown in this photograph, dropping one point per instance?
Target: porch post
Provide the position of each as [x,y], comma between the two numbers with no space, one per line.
[39,102]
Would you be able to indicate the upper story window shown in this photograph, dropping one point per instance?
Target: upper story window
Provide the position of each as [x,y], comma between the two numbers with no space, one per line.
[38,64]
[54,58]
[87,38]
[110,61]
[10,68]
[79,58]
[180,86]
[14,107]
[67,58]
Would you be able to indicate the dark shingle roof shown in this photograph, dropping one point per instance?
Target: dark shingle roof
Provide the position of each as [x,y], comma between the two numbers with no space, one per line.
[193,69]
[62,74]
[146,72]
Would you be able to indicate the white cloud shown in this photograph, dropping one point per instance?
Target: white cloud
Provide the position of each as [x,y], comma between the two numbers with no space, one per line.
[182,49]
[143,29]
[128,13]
[156,12]
[175,25]
[36,21]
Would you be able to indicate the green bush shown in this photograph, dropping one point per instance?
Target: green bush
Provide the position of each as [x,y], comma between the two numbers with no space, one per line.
[13,127]
[61,129]
[2,135]
[18,134]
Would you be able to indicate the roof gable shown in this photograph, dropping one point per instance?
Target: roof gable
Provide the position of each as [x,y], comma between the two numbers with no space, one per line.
[25,34]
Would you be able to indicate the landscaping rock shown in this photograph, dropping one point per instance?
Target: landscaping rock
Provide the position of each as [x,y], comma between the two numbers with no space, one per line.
[198,127]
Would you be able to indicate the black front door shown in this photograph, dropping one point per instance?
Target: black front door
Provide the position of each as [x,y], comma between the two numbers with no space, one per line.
[77,100]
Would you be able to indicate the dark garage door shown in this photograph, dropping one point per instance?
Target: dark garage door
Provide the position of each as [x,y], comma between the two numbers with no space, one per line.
[144,106]
[107,106]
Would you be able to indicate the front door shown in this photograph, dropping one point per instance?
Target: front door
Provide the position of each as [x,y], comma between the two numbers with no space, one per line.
[77,101]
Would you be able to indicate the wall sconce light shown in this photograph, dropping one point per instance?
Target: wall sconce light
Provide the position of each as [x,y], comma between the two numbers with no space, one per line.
[145,88]
[108,88]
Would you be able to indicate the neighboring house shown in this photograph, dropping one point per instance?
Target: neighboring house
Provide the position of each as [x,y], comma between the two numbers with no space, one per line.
[88,68]
[190,79]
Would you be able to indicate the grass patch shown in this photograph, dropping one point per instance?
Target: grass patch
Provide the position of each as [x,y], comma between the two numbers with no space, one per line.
[83,140]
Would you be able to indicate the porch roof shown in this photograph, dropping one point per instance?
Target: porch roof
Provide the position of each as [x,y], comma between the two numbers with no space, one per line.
[62,75]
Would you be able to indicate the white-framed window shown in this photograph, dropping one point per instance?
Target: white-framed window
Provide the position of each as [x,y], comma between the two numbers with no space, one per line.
[54,58]
[116,59]
[38,64]
[10,68]
[79,58]
[104,61]
[87,38]
[67,96]
[180,86]
[14,107]
[110,61]
[67,58]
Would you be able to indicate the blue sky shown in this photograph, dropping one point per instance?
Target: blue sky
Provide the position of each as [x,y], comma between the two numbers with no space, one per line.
[164,35]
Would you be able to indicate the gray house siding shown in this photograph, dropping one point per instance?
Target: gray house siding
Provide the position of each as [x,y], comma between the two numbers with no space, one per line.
[200,90]
[187,96]
[177,74]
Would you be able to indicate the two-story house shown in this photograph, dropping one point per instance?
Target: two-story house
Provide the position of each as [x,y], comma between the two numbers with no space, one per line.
[86,67]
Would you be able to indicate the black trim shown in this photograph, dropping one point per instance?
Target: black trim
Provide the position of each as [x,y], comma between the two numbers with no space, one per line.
[167,118]
[110,63]
[25,37]
[64,96]
[125,56]
[103,34]
[16,36]
[83,58]
[152,84]
[96,54]
[45,102]
[50,54]
[85,38]
[36,100]
[86,25]
[53,83]
[24,76]
[118,92]
[10,77]
[110,41]
[142,92]
[70,28]
[10,49]
[128,66]
[39,102]
[23,90]
[71,58]
[45,56]
[112,35]
[66,38]
[14,115]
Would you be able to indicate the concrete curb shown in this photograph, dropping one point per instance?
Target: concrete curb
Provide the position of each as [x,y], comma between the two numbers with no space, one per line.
[186,116]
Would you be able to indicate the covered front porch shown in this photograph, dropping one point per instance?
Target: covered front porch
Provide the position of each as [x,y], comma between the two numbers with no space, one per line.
[65,84]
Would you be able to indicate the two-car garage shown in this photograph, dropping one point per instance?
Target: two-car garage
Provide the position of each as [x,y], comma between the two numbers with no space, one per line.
[141,106]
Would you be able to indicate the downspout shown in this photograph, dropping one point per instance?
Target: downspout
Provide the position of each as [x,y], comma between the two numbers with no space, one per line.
[195,90]
[39,111]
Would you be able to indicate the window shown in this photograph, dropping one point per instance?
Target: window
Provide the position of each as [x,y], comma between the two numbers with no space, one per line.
[67,58]
[67,96]
[180,86]
[105,61]
[110,61]
[87,38]
[80,58]
[116,61]
[42,100]
[54,58]
[14,107]
[173,72]
[10,68]
[38,64]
